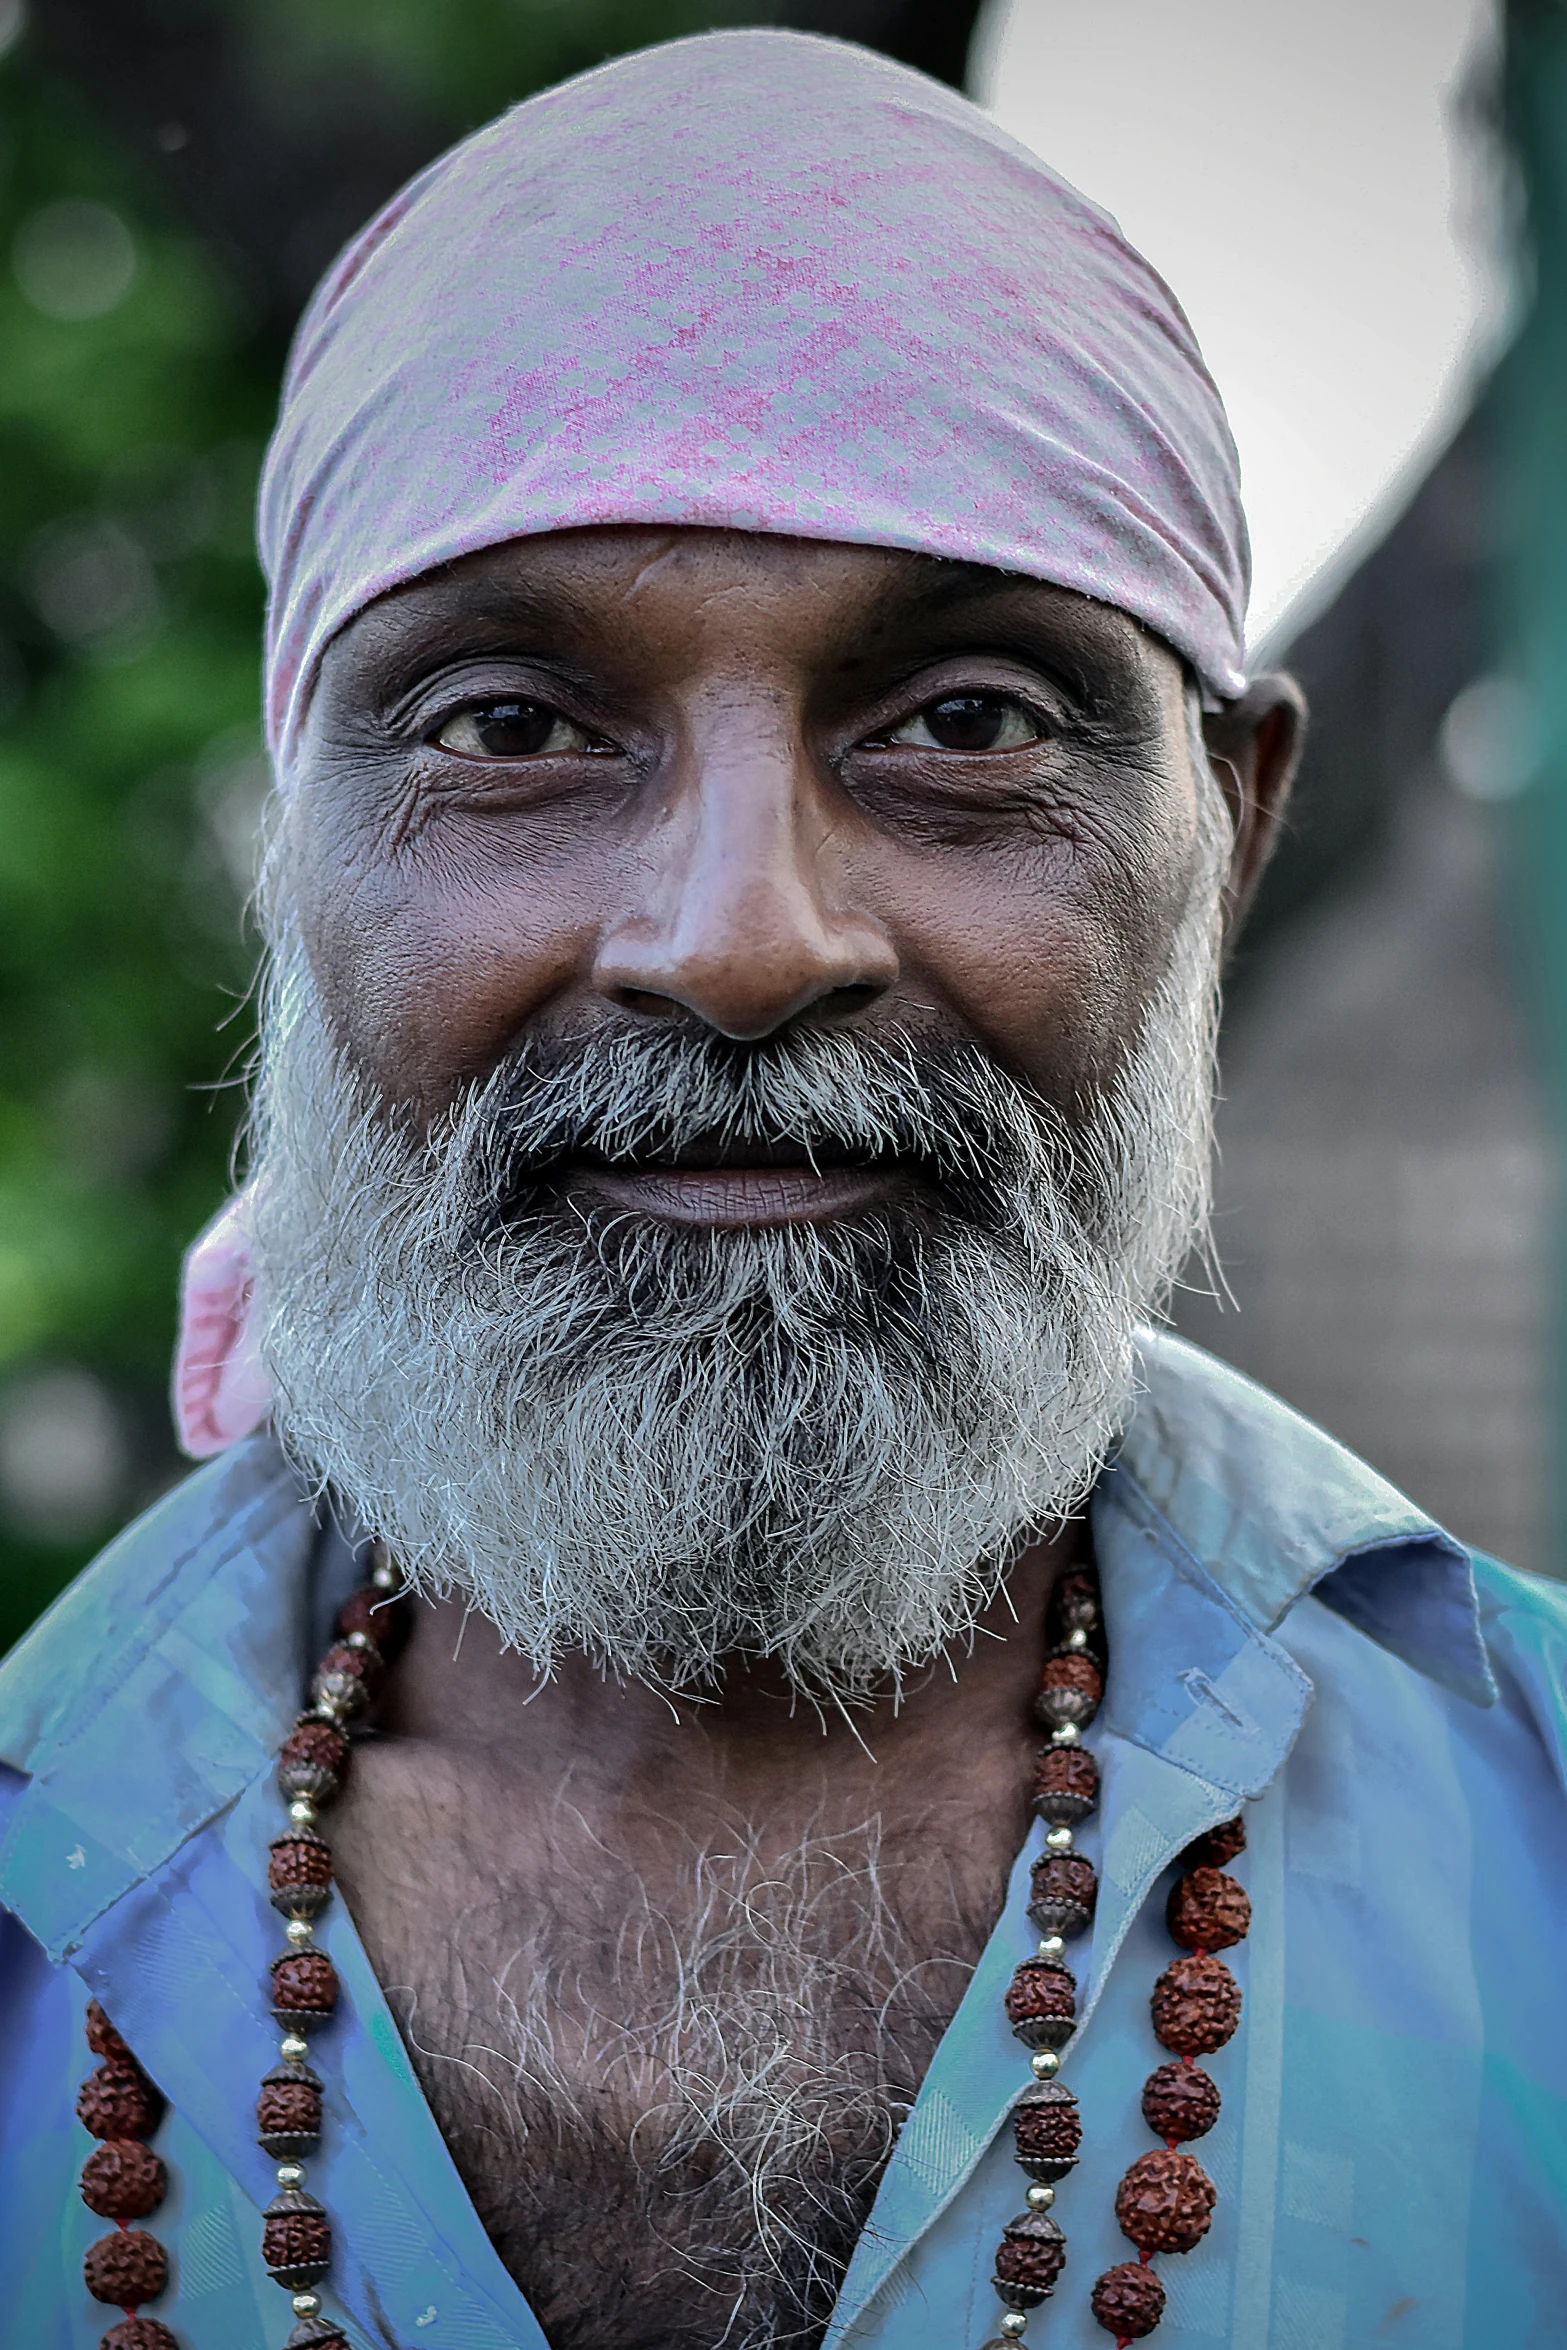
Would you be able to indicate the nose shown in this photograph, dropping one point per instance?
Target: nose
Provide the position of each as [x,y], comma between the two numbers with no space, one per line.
[746,914]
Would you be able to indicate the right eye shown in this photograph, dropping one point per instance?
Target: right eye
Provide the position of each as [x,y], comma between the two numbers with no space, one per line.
[512,730]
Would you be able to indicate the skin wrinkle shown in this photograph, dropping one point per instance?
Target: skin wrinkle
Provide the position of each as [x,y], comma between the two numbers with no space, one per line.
[741,1467]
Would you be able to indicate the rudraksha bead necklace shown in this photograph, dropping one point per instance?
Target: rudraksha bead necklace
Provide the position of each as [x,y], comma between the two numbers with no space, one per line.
[124,2179]
[1166,2200]
[296,2241]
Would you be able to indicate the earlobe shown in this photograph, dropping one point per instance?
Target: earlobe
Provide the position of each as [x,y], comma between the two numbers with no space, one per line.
[1254,746]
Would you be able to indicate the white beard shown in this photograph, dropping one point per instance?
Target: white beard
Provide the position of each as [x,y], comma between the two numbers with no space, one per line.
[669,1447]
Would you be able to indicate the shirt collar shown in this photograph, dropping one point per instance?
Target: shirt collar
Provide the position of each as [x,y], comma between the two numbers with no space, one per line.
[1272,1508]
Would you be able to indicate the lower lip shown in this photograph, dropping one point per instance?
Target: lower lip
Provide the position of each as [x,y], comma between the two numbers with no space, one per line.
[743,1195]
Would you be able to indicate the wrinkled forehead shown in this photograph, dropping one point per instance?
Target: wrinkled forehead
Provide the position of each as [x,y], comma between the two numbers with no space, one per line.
[762,283]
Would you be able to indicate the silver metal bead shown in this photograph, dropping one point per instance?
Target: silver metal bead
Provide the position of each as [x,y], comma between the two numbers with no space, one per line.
[1067,1734]
[290,2174]
[299,1931]
[382,1572]
[1013,2323]
[359,1640]
[1040,2198]
[306,2305]
[1077,1638]
[1052,1946]
[293,2049]
[302,1812]
[1059,1840]
[1044,2064]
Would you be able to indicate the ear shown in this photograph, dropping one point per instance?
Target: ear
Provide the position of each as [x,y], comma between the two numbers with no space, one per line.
[1254,746]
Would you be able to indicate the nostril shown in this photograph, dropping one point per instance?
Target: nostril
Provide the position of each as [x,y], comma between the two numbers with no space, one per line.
[845,1003]
[644,1000]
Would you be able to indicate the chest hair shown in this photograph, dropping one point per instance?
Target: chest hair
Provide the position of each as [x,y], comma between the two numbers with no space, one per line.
[673,2113]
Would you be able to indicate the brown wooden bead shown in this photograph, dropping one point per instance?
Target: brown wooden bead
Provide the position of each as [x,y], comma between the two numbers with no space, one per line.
[1070,1688]
[1029,2258]
[140,2333]
[118,2101]
[1218,1848]
[1074,1602]
[1208,1910]
[1196,2005]
[1040,2004]
[1165,2202]
[1064,1891]
[347,1679]
[312,1760]
[288,2112]
[126,2268]
[299,1874]
[103,2039]
[298,1860]
[379,1618]
[1180,2101]
[296,2240]
[304,1984]
[1048,2129]
[1066,1785]
[1128,2301]
[123,2179]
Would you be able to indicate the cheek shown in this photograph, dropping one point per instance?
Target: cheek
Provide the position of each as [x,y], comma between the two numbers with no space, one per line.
[429,968]
[1048,956]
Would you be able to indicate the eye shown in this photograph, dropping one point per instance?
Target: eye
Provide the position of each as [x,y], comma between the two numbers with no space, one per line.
[969,722]
[512,730]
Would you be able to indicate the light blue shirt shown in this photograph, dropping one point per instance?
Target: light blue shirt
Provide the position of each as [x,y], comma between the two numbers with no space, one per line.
[1286,1632]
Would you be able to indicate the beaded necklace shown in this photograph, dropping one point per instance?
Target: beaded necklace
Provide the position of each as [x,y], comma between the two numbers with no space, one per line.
[1164,2203]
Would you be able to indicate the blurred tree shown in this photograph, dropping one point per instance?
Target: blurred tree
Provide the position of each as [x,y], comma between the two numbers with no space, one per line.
[173,176]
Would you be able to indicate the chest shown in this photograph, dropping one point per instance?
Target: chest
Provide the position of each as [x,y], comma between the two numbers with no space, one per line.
[671,2064]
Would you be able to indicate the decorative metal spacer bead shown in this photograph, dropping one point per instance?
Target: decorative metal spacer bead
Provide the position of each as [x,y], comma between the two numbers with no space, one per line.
[1013,2323]
[1065,1734]
[306,2305]
[1059,1840]
[292,2174]
[382,1572]
[1044,2064]
[1052,1946]
[299,1931]
[302,1812]
[1039,2198]
[293,2049]
[1077,1638]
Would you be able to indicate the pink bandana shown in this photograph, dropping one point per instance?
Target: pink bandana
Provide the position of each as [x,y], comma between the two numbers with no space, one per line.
[756,281]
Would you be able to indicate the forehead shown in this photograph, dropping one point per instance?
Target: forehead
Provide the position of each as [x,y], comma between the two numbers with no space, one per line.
[688,595]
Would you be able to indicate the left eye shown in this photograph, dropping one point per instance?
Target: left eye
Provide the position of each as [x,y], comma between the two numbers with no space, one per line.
[511,730]
[969,722]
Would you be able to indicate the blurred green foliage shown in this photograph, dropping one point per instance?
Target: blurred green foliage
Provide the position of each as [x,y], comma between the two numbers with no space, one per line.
[132,410]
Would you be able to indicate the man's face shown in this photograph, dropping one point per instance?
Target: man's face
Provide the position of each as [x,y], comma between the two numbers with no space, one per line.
[626,774]
[737,1068]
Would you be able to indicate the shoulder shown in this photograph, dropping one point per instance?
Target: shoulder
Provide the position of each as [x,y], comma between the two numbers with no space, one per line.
[243,1506]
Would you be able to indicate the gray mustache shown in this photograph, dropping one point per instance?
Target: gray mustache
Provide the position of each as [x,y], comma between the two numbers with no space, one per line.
[654,1096]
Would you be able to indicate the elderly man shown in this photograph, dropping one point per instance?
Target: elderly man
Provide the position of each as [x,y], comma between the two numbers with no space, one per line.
[848,1790]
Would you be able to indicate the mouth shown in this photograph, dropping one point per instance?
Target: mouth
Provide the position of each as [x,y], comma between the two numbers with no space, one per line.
[734,1185]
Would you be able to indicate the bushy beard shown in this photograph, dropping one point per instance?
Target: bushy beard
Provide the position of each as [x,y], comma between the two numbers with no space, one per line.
[670,1447]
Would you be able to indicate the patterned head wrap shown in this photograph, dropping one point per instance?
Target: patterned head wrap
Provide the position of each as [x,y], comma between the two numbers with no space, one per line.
[757,281]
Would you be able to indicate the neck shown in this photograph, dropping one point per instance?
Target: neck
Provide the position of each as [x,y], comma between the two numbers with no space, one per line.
[457,1690]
